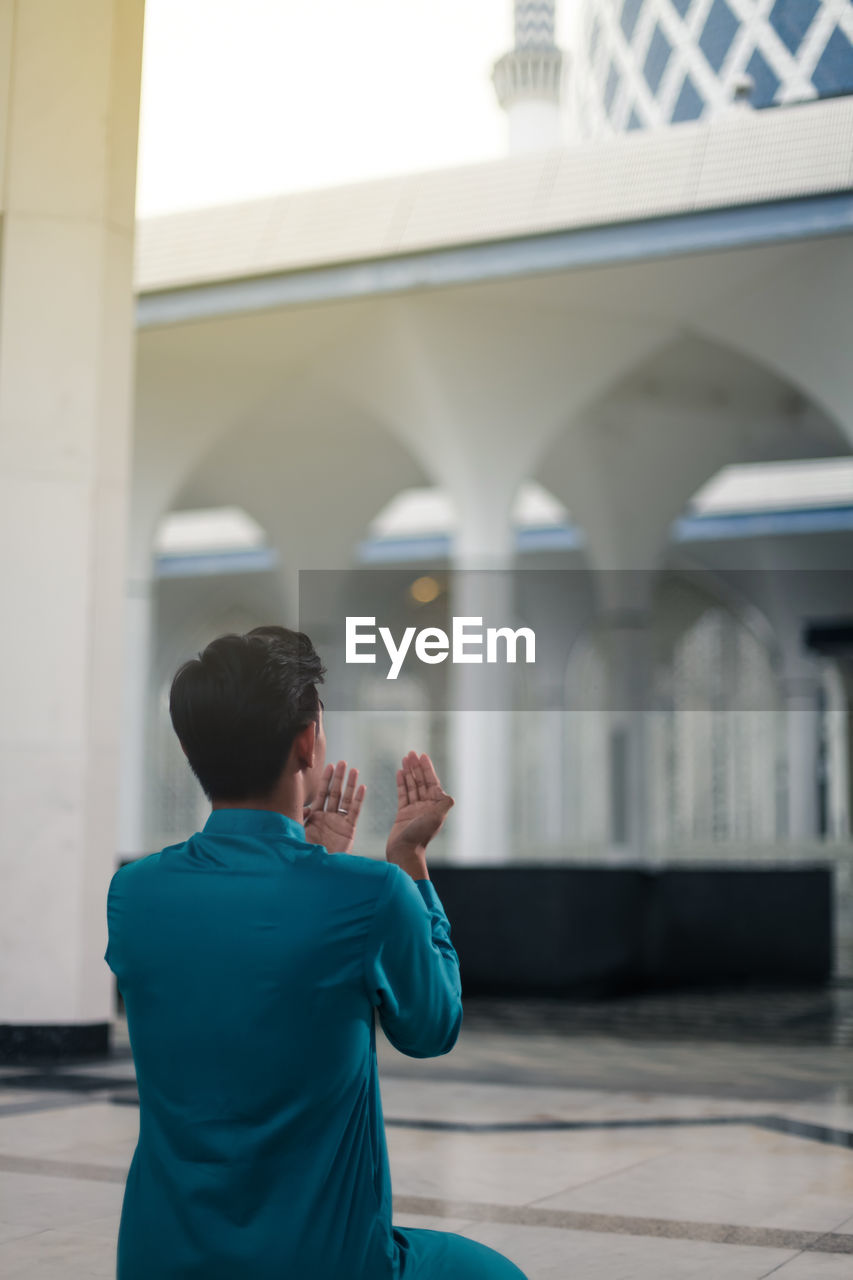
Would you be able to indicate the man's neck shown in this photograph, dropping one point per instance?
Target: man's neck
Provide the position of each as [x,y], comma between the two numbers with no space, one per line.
[288,805]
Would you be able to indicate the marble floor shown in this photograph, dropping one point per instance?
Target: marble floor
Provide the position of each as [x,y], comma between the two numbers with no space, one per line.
[580,1148]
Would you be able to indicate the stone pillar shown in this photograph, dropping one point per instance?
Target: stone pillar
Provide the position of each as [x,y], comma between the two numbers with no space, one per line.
[481,765]
[843,882]
[624,633]
[139,692]
[550,797]
[137,706]
[845,669]
[626,643]
[69,94]
[801,691]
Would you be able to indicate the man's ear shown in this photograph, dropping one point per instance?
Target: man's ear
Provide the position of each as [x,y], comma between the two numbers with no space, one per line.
[305,747]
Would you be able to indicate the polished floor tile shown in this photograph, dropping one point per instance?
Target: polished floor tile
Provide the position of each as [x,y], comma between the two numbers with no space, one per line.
[578,1156]
[56,1255]
[430,1222]
[504,1168]
[97,1131]
[738,1175]
[545,1254]
[46,1203]
[813,1266]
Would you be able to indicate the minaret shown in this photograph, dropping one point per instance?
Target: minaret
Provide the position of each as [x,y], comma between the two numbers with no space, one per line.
[528,81]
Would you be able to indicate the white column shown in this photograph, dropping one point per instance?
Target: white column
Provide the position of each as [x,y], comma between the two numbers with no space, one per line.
[626,641]
[845,784]
[624,629]
[803,727]
[843,878]
[480,738]
[136,703]
[551,798]
[69,92]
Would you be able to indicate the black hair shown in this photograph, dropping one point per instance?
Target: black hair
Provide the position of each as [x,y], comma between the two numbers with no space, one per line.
[238,706]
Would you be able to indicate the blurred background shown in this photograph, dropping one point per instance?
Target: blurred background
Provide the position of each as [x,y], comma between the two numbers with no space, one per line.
[439,287]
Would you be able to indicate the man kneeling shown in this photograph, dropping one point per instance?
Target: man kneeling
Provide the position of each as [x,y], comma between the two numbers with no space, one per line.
[251,959]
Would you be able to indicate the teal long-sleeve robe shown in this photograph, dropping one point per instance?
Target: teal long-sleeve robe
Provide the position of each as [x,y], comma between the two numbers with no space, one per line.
[251,964]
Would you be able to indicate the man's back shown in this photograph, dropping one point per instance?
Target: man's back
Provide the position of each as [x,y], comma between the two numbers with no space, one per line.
[250,963]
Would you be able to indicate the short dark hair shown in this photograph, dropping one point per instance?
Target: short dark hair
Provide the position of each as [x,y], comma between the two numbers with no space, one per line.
[238,706]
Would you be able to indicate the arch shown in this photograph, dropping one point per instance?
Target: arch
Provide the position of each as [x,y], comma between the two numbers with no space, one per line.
[707,588]
[312,474]
[630,463]
[792,325]
[716,743]
[712,728]
[200,384]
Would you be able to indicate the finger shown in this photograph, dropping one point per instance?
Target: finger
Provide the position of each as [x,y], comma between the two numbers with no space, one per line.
[335,788]
[323,789]
[418,775]
[429,773]
[402,797]
[349,790]
[411,785]
[356,803]
[433,784]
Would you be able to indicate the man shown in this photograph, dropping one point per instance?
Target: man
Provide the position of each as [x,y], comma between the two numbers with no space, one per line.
[251,959]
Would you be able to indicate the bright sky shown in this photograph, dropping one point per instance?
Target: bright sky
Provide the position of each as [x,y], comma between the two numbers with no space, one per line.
[242,98]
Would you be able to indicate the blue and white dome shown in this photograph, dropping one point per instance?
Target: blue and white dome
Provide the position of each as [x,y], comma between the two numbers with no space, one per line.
[644,63]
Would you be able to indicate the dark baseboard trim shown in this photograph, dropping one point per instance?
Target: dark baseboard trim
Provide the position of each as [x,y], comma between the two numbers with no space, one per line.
[593,931]
[22,1044]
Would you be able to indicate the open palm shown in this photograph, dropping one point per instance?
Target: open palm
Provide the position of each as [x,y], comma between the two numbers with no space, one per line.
[422,806]
[330,820]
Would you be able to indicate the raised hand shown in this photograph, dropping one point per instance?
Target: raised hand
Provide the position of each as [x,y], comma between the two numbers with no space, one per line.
[331,818]
[422,806]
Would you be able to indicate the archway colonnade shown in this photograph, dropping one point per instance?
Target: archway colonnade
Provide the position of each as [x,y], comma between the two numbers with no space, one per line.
[473,386]
[623,390]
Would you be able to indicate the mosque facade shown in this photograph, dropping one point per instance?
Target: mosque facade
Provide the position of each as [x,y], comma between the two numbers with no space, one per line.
[642,64]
